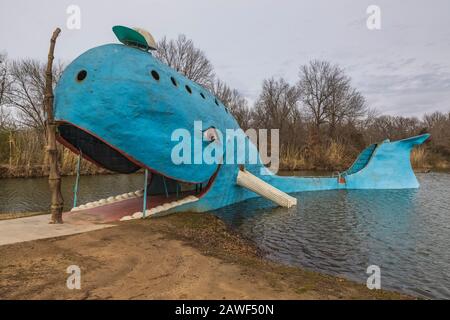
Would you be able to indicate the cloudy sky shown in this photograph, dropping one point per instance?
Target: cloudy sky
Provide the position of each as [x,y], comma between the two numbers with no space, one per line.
[402,69]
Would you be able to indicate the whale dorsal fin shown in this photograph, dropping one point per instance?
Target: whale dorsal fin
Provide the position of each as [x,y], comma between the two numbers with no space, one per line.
[136,37]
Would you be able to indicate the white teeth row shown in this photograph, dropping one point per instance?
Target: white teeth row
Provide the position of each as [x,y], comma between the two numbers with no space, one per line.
[161,208]
[101,202]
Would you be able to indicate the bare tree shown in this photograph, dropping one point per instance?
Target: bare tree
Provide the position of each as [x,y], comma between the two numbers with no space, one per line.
[344,102]
[329,97]
[277,108]
[276,103]
[438,124]
[26,91]
[4,78]
[4,90]
[315,90]
[336,105]
[392,127]
[5,118]
[234,101]
[183,56]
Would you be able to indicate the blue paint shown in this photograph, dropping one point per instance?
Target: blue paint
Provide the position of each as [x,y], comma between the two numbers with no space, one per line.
[120,102]
[361,161]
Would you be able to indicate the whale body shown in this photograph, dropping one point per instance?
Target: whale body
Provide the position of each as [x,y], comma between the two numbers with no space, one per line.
[118,106]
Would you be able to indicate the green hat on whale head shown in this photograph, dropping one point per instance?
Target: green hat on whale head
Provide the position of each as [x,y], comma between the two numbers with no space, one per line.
[135,37]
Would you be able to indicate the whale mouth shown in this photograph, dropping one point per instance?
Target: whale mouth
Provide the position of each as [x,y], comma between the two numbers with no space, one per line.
[163,193]
[95,149]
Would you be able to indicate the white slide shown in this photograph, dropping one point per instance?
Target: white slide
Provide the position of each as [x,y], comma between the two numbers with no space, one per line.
[249,181]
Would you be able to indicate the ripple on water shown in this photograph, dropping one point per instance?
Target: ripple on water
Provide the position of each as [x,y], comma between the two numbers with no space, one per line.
[405,232]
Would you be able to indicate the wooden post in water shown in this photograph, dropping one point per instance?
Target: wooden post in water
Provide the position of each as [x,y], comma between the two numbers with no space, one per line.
[54,177]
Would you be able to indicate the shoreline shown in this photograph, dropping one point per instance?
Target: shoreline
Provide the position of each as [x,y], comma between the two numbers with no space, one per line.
[180,256]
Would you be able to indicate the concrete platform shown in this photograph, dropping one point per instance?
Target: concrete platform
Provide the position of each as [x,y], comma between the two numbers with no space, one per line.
[37,227]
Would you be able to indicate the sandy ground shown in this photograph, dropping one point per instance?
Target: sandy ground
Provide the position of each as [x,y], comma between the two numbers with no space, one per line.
[184,256]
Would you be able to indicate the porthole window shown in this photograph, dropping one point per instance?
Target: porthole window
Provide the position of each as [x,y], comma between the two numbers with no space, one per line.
[215,101]
[202,95]
[174,82]
[188,89]
[81,75]
[155,75]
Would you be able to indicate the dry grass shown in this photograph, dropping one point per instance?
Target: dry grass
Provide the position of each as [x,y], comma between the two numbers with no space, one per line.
[422,158]
[329,156]
[419,158]
[22,154]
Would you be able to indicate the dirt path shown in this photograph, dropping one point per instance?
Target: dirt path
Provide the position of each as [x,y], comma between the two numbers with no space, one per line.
[185,256]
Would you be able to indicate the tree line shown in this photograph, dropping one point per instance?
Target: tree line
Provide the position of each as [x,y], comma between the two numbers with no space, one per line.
[324,121]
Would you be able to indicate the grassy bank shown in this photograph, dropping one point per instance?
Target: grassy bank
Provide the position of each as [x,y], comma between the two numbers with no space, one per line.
[183,256]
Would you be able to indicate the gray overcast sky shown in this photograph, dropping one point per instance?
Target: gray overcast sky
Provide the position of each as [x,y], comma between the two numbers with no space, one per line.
[402,69]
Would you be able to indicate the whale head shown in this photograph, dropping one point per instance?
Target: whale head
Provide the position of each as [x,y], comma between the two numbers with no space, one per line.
[120,106]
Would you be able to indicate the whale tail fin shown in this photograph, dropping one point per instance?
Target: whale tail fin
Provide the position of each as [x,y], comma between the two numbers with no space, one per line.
[386,165]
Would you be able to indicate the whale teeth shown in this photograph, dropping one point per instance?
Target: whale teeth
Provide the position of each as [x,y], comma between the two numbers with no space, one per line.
[139,193]
[160,208]
[109,200]
[137,215]
[150,212]
[166,206]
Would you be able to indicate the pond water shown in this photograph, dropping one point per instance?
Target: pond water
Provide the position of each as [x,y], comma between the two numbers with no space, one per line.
[32,195]
[404,232]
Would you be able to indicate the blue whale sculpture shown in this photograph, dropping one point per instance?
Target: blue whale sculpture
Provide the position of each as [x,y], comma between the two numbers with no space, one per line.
[118,105]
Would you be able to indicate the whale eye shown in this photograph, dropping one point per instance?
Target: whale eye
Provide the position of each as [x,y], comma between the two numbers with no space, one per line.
[81,75]
[210,135]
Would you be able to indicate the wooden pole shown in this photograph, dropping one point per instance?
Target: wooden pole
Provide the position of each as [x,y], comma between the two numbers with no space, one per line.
[54,177]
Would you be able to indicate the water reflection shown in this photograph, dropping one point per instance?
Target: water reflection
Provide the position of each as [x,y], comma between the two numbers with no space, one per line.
[32,195]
